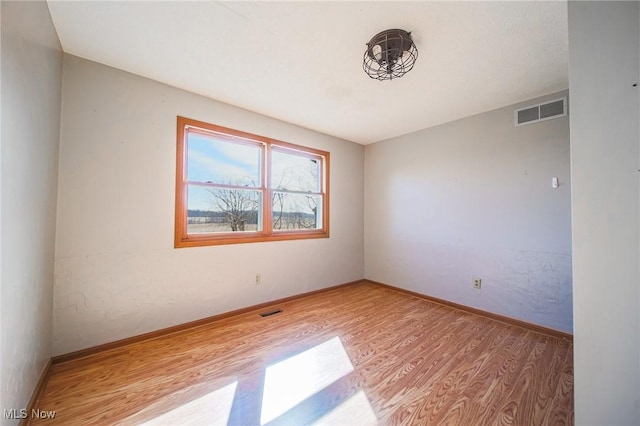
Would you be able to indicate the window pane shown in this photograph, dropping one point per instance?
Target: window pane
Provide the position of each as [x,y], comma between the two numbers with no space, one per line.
[223,210]
[293,172]
[296,211]
[221,161]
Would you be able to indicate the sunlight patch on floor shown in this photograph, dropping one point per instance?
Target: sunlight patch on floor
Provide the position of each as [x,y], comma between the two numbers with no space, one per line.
[293,380]
[354,411]
[211,409]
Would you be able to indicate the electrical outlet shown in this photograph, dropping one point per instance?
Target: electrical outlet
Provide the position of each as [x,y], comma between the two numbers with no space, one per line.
[477,283]
[258,279]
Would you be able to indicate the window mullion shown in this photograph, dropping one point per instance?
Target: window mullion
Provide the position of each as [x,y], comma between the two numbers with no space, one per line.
[267,192]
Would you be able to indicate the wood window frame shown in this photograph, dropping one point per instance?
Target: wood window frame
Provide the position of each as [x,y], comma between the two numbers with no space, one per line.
[183,239]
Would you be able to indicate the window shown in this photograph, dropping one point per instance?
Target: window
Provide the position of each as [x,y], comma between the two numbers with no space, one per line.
[235,187]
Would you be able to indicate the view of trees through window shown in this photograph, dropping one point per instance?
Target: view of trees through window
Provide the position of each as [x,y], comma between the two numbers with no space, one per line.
[233,183]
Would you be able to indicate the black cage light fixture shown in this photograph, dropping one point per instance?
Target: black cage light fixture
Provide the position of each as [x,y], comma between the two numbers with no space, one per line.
[390,54]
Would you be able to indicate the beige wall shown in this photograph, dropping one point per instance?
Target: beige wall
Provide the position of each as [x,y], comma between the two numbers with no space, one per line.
[604,63]
[117,273]
[31,90]
[473,198]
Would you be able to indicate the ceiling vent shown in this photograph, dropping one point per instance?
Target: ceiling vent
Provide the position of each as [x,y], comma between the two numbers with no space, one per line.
[541,112]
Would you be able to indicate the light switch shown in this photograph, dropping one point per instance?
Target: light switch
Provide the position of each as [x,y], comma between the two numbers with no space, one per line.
[554,182]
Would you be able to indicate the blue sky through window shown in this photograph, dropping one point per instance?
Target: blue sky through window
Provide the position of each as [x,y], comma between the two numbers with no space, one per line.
[222,161]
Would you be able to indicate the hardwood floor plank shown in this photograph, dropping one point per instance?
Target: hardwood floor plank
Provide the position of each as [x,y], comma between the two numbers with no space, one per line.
[561,410]
[406,361]
[549,382]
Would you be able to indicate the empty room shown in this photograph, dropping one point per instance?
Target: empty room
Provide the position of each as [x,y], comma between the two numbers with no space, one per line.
[308,212]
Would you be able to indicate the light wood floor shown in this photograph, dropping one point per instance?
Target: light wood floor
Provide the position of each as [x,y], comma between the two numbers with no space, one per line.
[365,354]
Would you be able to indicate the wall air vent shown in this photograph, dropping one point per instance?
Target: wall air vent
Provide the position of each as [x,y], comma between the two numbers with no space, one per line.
[541,112]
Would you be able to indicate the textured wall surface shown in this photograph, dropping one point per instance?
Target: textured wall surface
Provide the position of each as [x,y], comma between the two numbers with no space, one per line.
[473,198]
[117,273]
[604,64]
[31,92]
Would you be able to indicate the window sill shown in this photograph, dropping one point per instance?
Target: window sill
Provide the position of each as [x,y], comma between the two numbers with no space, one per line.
[208,240]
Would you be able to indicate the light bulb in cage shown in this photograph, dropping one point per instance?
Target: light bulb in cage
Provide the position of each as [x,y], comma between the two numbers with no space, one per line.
[390,54]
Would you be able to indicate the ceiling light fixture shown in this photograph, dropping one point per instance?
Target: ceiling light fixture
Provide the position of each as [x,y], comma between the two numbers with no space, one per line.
[390,54]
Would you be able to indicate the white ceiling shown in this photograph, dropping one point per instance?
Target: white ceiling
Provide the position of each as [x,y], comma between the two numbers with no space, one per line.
[301,62]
